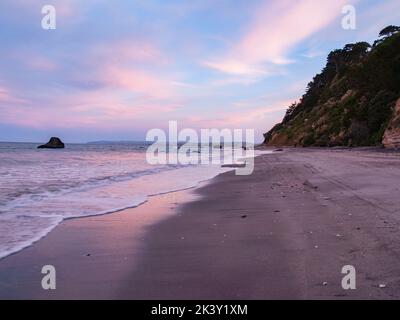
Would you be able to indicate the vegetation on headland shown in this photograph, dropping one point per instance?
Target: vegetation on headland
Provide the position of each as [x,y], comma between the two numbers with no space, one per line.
[351,102]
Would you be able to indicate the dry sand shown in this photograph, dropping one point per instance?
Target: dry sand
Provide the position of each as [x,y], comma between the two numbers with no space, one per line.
[285,232]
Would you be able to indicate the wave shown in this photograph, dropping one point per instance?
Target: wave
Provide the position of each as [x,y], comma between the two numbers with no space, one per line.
[46,189]
[41,191]
[27,223]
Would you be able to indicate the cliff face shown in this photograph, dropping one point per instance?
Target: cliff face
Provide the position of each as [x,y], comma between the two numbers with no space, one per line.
[352,102]
[391,138]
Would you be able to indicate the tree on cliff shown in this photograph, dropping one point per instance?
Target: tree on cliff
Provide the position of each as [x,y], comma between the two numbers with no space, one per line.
[389,31]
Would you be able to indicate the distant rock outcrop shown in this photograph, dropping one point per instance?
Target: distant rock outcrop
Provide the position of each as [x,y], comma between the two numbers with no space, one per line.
[391,138]
[54,143]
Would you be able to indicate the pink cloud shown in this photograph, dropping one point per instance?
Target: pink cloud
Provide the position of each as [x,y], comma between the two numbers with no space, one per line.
[245,116]
[130,51]
[134,66]
[138,81]
[103,109]
[41,64]
[131,90]
[250,117]
[275,29]
[9,97]
[258,118]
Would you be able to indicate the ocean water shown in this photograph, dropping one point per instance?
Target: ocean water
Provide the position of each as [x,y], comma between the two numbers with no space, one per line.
[39,188]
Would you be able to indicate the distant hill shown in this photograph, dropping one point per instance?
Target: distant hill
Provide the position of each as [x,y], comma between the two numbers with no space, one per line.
[354,101]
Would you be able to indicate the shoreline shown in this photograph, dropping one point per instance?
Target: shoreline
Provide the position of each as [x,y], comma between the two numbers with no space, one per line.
[43,234]
[78,246]
[284,232]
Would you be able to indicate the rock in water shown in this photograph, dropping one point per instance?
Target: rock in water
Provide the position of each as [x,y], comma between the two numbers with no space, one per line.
[54,143]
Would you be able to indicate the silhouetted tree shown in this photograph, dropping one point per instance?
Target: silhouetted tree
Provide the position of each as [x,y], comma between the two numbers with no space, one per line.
[290,110]
[359,47]
[389,31]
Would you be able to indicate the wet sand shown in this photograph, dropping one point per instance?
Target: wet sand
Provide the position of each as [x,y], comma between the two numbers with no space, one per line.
[93,256]
[285,232]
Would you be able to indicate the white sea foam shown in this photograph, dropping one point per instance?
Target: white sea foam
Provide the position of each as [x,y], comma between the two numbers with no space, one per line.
[41,188]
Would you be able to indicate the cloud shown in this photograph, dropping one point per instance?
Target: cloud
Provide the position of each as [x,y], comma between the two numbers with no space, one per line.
[40,63]
[252,117]
[133,66]
[129,51]
[233,66]
[258,118]
[247,113]
[68,9]
[100,83]
[101,109]
[275,29]
[313,53]
[106,86]
[139,82]
[8,97]
[126,64]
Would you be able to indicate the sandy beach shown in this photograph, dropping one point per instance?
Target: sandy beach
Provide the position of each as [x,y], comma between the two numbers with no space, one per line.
[284,232]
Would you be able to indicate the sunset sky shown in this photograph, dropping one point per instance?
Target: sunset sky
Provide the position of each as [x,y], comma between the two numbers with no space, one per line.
[114,69]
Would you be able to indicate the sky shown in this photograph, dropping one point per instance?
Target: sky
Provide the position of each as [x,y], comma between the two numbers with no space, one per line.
[112,70]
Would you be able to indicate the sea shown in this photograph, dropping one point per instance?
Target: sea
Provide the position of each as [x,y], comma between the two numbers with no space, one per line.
[39,188]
